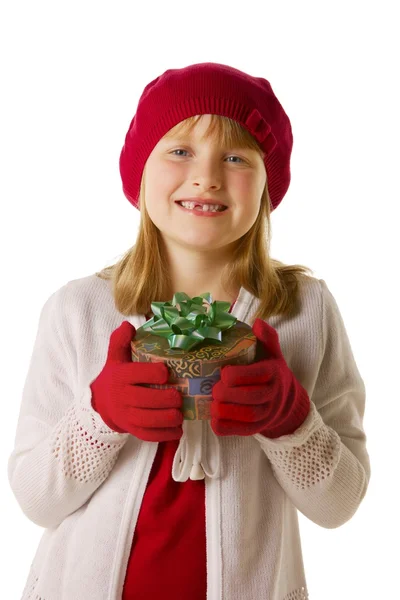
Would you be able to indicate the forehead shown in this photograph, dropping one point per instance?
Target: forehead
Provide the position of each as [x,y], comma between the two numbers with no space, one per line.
[212,130]
[198,125]
[199,129]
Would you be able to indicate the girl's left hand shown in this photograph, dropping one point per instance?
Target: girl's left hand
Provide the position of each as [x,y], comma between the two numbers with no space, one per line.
[262,397]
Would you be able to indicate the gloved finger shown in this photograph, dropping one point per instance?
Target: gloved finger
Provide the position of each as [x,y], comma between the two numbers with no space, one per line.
[154,418]
[238,412]
[141,372]
[268,336]
[255,373]
[251,394]
[119,347]
[139,396]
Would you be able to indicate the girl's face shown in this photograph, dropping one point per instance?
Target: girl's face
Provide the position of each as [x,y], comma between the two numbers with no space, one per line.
[179,169]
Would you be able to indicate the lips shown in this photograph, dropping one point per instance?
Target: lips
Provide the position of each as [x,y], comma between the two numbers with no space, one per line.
[196,206]
[201,201]
[199,212]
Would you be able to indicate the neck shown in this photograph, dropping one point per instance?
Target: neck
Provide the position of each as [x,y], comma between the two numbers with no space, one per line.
[195,273]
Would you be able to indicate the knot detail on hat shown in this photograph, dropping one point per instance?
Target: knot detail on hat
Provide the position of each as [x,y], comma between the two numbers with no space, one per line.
[260,129]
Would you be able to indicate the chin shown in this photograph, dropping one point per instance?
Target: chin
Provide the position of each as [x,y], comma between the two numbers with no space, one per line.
[202,244]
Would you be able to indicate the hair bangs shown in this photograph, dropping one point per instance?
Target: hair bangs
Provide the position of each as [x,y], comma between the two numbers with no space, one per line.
[224,131]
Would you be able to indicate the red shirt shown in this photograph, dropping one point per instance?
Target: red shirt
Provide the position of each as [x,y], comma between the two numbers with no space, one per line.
[168,554]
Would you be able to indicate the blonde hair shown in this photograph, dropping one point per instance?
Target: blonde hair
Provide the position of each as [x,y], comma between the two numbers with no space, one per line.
[140,276]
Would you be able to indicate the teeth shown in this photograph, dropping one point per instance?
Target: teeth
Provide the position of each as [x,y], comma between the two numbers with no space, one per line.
[205,207]
[190,205]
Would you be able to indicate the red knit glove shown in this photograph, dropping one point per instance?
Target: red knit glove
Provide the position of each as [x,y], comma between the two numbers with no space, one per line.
[151,414]
[263,397]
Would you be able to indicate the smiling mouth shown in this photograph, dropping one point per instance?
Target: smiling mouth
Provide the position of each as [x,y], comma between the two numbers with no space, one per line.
[202,208]
[200,213]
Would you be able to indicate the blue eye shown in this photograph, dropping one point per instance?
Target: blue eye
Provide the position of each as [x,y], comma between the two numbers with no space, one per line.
[234,156]
[182,150]
[178,150]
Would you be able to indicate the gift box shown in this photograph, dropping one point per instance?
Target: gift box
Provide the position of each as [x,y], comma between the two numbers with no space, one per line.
[195,338]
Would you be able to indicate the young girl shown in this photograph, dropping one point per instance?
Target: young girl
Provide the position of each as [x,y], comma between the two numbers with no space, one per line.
[138,503]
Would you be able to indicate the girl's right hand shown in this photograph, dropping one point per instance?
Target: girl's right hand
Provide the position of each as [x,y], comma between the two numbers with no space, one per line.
[151,414]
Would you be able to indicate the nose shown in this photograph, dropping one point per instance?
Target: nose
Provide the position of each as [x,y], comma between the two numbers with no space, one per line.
[207,174]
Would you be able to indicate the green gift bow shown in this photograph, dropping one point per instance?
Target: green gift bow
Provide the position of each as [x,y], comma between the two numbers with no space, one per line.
[191,324]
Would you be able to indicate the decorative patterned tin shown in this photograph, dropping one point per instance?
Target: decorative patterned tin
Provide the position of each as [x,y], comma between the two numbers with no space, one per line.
[194,373]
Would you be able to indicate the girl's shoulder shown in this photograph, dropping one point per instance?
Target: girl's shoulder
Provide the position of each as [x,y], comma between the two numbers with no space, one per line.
[80,298]
[312,294]
[87,285]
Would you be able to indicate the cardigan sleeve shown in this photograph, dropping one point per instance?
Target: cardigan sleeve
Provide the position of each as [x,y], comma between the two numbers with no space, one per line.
[324,465]
[63,450]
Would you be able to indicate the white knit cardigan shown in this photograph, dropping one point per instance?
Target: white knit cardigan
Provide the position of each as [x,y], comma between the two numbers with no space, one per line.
[84,483]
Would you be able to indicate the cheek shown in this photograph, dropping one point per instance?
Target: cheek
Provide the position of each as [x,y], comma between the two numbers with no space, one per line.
[248,182]
[249,216]
[162,185]
[250,197]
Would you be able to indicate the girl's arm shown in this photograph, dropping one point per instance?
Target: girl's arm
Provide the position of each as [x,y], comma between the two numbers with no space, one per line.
[324,465]
[63,450]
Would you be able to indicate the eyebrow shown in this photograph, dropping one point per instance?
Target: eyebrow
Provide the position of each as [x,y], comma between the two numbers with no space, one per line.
[181,139]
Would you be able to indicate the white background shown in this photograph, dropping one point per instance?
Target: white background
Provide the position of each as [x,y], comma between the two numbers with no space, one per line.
[72,73]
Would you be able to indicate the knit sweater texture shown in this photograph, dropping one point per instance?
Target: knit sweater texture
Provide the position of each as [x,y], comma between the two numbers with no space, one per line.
[84,483]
